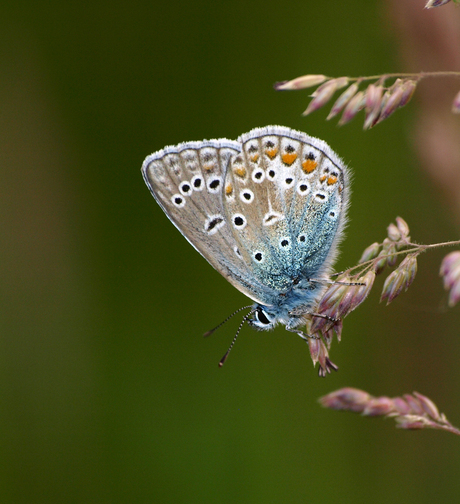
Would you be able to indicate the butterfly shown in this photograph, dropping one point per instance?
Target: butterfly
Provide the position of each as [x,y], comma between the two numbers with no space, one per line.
[267,211]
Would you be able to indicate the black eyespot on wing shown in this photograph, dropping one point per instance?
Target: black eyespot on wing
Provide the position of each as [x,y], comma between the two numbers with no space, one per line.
[258,175]
[258,256]
[214,183]
[269,144]
[213,223]
[284,243]
[238,221]
[311,156]
[197,183]
[178,200]
[289,148]
[289,181]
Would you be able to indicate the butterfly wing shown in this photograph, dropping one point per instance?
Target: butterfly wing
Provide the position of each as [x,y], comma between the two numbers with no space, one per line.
[187,182]
[284,199]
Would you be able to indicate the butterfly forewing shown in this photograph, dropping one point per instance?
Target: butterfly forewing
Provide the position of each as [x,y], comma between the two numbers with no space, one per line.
[187,182]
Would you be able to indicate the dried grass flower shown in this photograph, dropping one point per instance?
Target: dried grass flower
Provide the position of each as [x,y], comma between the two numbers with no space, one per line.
[414,411]
[378,100]
[352,287]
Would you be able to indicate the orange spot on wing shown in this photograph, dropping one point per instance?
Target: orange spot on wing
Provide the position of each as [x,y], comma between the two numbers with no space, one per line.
[271,153]
[289,157]
[209,167]
[228,189]
[309,165]
[331,180]
[254,158]
[322,178]
[240,171]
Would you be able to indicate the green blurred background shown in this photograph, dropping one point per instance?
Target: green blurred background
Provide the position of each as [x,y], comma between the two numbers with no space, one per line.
[108,392]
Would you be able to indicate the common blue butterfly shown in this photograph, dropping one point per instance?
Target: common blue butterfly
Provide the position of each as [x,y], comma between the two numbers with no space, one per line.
[267,211]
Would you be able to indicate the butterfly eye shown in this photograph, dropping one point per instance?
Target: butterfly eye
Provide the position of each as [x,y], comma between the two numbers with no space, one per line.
[262,317]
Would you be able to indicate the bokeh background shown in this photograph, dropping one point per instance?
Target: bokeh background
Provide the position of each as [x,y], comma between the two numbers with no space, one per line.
[108,392]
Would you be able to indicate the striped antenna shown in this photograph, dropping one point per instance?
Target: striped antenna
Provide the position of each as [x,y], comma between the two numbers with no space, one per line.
[224,358]
[208,333]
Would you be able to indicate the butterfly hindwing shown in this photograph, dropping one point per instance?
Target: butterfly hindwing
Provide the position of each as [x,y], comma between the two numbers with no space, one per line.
[283,196]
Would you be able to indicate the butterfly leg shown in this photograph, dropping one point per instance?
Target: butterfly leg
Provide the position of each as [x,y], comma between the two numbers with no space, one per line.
[303,310]
[328,281]
[302,334]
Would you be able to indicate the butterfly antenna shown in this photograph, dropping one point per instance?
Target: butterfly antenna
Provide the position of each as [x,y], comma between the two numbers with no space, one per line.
[224,358]
[208,333]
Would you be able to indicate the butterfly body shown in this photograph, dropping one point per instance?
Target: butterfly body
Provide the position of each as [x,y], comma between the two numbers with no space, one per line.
[267,211]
